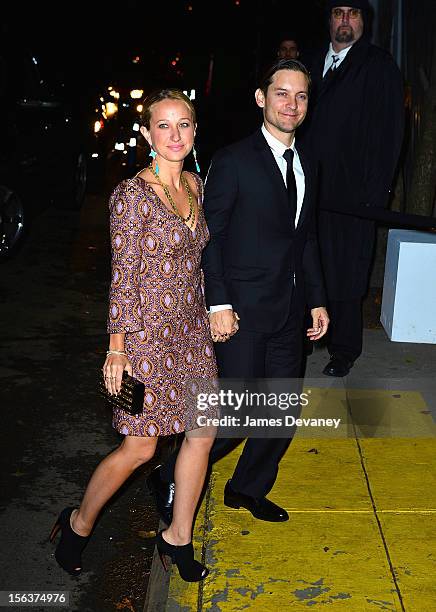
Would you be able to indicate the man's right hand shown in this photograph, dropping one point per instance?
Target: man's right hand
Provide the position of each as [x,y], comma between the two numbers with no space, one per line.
[223,324]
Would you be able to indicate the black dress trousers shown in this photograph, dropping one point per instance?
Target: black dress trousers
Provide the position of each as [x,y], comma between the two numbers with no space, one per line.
[249,355]
[346,328]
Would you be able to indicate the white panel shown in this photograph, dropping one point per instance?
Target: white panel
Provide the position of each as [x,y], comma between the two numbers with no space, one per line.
[409,289]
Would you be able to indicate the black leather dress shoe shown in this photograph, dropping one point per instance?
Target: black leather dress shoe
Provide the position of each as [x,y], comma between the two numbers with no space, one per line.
[260,507]
[163,493]
[337,366]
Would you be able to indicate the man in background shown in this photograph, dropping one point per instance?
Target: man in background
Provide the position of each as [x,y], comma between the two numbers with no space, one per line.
[288,48]
[355,129]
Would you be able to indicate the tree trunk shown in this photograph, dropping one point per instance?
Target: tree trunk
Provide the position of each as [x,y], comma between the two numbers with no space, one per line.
[422,188]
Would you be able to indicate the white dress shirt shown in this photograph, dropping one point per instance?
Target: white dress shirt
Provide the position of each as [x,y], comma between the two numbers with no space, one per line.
[340,55]
[277,149]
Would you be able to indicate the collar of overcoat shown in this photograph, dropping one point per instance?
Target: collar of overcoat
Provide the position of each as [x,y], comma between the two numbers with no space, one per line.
[355,56]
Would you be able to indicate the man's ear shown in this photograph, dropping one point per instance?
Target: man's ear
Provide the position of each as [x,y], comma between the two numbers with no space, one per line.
[146,134]
[260,98]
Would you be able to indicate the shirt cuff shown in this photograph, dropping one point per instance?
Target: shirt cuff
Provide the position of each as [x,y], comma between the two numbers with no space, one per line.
[220,307]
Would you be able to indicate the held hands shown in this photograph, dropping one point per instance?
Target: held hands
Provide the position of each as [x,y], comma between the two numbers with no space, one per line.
[223,324]
[320,322]
[113,368]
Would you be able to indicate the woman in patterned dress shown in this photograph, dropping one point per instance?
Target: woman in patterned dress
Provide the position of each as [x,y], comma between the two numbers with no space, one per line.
[159,331]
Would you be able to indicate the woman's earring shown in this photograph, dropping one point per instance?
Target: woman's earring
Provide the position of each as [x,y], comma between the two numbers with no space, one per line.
[194,153]
[153,155]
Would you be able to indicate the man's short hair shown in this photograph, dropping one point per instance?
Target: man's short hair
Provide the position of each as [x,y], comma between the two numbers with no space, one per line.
[283,64]
[288,36]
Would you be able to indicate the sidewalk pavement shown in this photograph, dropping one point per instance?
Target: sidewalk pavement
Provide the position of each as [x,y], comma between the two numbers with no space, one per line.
[361,500]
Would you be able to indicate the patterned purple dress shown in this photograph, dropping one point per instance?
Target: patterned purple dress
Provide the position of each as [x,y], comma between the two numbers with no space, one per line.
[156,299]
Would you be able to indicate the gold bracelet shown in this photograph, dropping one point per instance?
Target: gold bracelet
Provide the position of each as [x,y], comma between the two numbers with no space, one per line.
[116,353]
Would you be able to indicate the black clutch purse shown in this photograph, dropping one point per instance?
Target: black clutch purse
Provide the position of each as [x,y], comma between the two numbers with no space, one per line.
[131,397]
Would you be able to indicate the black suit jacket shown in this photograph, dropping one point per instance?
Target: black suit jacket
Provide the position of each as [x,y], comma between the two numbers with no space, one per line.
[254,251]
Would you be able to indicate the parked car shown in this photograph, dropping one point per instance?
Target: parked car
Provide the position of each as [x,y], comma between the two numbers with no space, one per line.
[44,144]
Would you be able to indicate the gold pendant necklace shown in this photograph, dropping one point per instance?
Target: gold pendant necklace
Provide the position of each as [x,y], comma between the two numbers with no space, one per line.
[185,184]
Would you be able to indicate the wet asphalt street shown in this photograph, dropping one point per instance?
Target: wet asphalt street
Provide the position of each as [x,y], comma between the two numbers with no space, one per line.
[55,427]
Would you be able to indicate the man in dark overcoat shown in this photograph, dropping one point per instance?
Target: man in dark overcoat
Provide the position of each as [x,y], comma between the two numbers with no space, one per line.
[355,128]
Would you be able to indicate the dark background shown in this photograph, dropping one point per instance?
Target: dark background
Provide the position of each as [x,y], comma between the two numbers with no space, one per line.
[53,291]
[92,39]
[91,45]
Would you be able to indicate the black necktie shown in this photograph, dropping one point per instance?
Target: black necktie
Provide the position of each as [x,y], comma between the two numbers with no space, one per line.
[330,72]
[291,185]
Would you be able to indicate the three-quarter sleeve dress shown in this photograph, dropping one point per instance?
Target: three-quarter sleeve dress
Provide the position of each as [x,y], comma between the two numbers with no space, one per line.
[156,298]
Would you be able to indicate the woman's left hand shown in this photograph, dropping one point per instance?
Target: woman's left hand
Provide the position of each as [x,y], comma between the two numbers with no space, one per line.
[223,337]
[113,369]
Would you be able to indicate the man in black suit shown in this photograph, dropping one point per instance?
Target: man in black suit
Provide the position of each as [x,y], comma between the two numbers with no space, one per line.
[261,262]
[355,130]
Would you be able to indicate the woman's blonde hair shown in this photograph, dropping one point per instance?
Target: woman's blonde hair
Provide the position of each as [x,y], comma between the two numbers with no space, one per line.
[158,96]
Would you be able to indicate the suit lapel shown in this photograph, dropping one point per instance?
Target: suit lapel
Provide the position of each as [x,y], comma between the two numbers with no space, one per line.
[272,171]
[318,69]
[307,188]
